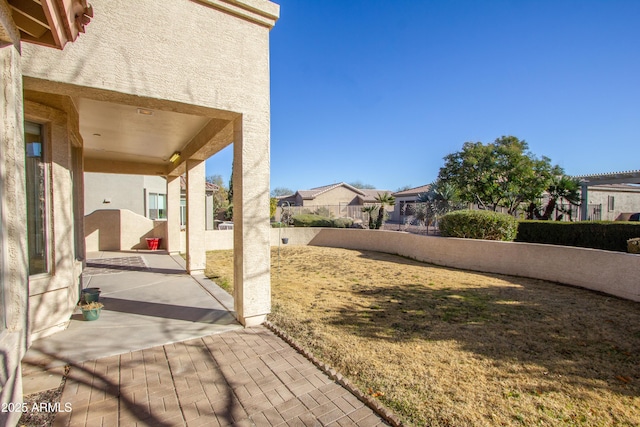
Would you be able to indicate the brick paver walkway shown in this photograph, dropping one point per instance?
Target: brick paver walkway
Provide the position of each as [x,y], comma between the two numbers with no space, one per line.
[243,378]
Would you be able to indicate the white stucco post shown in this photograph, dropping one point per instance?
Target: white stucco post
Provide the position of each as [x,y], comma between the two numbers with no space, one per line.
[196,256]
[173,214]
[13,230]
[252,253]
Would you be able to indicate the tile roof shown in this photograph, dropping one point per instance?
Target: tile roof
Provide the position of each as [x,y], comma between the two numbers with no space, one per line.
[412,191]
[370,195]
[315,192]
[367,195]
[209,187]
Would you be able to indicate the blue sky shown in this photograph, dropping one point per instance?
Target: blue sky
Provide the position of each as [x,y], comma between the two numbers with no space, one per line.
[379,91]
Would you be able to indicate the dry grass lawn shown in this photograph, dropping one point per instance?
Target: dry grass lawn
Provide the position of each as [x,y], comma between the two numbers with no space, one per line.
[446,347]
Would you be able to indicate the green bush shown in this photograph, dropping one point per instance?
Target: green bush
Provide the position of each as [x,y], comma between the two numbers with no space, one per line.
[633,246]
[311,220]
[607,235]
[473,224]
[342,222]
[323,211]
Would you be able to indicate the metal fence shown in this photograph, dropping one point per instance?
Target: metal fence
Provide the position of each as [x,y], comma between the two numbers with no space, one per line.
[329,211]
[408,218]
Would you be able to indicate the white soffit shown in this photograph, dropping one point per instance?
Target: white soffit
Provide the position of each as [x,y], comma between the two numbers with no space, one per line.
[127,133]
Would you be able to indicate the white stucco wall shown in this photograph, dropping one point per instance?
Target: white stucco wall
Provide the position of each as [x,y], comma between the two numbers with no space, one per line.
[121,230]
[614,273]
[122,191]
[199,57]
[13,233]
[179,50]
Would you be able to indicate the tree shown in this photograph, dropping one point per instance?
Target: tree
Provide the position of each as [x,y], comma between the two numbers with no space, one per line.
[502,173]
[561,188]
[220,196]
[384,199]
[370,209]
[273,206]
[362,186]
[230,190]
[441,198]
[281,191]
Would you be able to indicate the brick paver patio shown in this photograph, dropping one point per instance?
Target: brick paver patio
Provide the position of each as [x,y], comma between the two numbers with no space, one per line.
[247,377]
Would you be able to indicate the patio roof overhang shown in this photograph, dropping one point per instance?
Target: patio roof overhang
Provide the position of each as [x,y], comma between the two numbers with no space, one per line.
[627,177]
[128,134]
[586,181]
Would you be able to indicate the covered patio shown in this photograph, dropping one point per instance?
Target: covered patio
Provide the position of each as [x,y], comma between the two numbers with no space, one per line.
[166,351]
[149,87]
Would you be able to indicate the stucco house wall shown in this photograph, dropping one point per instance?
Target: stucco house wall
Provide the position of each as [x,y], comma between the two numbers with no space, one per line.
[626,199]
[121,230]
[54,294]
[115,191]
[333,197]
[208,59]
[191,56]
[14,273]
[406,196]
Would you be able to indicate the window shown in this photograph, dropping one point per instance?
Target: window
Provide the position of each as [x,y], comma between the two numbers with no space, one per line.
[183,212]
[157,206]
[36,177]
[610,203]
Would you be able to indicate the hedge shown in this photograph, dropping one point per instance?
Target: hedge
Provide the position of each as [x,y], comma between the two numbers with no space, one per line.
[476,224]
[312,220]
[607,235]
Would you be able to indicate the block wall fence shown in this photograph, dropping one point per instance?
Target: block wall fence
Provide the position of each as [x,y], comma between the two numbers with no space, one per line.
[613,273]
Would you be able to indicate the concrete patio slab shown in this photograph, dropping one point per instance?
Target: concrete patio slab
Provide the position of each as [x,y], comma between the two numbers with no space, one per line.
[149,300]
[165,352]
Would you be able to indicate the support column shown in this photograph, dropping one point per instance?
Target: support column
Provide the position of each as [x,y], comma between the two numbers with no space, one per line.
[584,201]
[252,252]
[196,256]
[173,214]
[14,271]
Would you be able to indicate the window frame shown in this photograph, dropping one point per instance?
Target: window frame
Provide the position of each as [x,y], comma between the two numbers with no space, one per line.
[158,211]
[45,132]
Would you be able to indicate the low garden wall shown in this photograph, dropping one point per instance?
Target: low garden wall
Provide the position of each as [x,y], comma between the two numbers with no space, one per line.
[614,273]
[120,230]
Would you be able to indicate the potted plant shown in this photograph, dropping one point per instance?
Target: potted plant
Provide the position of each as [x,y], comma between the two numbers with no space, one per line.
[88,295]
[91,311]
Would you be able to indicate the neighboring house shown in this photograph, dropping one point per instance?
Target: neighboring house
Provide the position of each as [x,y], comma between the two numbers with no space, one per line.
[404,198]
[142,194]
[612,202]
[609,195]
[607,202]
[341,199]
[151,87]
[340,194]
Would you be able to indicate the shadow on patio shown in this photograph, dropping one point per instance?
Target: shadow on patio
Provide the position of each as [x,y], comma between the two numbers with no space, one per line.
[157,356]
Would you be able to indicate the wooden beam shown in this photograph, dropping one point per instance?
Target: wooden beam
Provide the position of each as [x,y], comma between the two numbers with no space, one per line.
[30,26]
[30,9]
[114,166]
[216,135]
